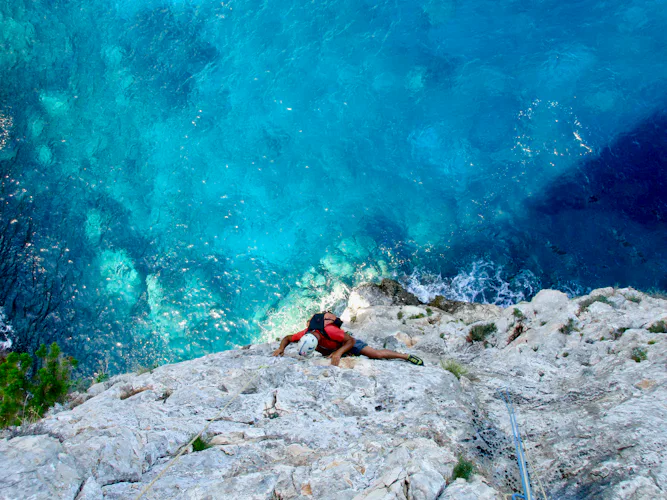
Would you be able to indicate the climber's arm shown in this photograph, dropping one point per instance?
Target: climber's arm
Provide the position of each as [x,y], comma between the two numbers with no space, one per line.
[337,354]
[283,344]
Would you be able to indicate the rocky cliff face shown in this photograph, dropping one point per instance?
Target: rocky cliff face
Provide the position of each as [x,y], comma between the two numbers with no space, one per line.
[592,417]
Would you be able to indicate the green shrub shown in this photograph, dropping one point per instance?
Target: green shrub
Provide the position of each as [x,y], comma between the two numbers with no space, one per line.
[101,377]
[568,327]
[24,398]
[14,388]
[638,354]
[400,315]
[417,316]
[429,311]
[651,342]
[53,378]
[566,354]
[584,304]
[480,332]
[454,368]
[463,469]
[633,298]
[518,314]
[200,444]
[658,327]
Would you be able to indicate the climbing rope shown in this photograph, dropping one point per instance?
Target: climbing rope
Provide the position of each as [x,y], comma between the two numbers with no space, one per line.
[520,456]
[534,473]
[187,446]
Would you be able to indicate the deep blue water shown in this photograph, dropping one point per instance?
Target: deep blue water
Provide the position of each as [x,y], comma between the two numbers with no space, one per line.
[182,177]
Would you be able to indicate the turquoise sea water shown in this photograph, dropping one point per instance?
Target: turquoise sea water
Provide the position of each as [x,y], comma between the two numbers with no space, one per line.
[181,177]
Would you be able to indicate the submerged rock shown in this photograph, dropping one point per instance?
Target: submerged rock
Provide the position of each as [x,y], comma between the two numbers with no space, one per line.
[591,416]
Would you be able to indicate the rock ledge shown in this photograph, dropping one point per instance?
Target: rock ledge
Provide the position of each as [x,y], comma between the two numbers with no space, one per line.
[592,418]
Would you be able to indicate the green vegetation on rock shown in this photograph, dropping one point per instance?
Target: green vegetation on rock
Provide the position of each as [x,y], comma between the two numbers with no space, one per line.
[480,332]
[658,327]
[200,444]
[586,303]
[454,368]
[463,469]
[568,328]
[638,354]
[23,398]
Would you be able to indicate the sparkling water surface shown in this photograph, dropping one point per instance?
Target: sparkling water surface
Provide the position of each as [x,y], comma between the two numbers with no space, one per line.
[183,177]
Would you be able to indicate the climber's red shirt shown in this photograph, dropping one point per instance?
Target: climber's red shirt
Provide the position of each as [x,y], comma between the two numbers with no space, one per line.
[336,334]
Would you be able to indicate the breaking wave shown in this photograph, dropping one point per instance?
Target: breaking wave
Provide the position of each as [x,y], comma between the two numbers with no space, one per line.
[483,281]
[5,333]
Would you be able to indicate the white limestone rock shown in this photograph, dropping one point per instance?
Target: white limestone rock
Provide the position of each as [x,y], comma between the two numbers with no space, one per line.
[37,467]
[425,485]
[592,418]
[476,489]
[432,343]
[91,490]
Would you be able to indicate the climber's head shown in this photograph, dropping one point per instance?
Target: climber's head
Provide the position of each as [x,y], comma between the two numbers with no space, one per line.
[331,319]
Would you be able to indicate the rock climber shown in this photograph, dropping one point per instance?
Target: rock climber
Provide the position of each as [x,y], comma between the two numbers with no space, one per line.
[334,343]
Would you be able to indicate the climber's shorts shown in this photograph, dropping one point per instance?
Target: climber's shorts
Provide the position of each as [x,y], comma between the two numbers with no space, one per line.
[356,350]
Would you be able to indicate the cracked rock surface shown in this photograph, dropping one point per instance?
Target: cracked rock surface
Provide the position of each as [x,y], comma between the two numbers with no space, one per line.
[591,417]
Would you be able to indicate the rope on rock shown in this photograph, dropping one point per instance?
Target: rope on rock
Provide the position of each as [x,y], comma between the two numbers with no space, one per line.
[187,446]
[520,455]
[534,472]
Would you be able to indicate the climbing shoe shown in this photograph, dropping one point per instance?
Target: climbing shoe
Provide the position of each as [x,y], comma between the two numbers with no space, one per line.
[415,360]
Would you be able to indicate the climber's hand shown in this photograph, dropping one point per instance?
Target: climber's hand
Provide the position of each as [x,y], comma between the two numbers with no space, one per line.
[335,359]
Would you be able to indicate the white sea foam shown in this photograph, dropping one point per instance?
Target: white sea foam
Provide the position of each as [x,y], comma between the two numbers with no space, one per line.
[6,345]
[483,282]
[6,332]
[572,288]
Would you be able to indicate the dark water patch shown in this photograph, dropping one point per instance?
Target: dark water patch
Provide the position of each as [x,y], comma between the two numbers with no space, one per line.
[605,221]
[629,177]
